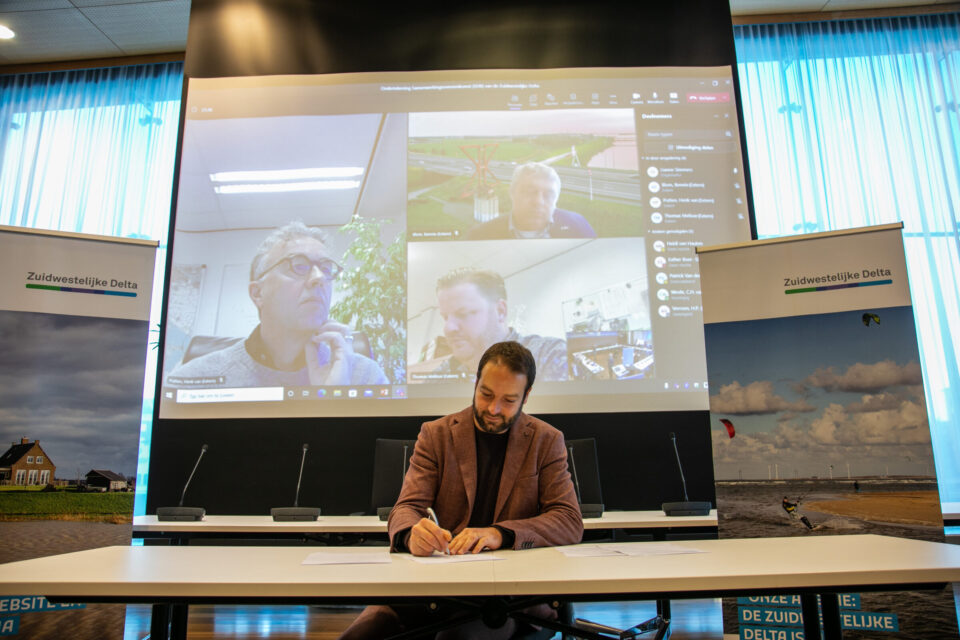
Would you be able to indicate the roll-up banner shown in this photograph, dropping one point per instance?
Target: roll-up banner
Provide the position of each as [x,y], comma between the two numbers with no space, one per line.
[818,416]
[74,313]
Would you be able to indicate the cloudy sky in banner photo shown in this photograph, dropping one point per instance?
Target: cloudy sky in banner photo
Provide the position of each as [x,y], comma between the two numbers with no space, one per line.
[807,392]
[75,384]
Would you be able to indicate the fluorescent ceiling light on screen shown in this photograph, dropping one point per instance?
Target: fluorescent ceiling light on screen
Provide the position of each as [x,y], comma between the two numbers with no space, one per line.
[283,187]
[278,175]
[286,180]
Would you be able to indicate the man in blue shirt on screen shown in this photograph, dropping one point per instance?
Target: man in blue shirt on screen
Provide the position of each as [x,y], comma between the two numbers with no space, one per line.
[534,191]
[296,342]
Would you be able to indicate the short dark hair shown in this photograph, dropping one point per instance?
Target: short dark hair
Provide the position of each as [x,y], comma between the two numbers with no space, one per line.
[489,283]
[513,356]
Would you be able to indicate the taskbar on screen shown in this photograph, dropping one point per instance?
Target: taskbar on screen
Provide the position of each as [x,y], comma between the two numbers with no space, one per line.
[283,394]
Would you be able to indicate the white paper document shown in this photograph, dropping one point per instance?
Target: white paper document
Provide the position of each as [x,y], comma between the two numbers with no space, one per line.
[588,551]
[653,549]
[629,549]
[439,558]
[326,557]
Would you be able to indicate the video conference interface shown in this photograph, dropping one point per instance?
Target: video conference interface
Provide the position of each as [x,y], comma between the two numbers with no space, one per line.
[351,244]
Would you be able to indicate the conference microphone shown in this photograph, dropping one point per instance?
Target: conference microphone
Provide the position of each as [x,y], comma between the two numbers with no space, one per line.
[591,510]
[296,512]
[180,512]
[685,508]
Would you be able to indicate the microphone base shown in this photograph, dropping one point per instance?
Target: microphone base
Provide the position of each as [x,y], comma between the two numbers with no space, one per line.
[384,512]
[180,514]
[591,510]
[294,514]
[687,508]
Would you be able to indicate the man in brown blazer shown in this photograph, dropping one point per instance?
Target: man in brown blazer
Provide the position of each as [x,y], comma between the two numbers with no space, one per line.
[493,476]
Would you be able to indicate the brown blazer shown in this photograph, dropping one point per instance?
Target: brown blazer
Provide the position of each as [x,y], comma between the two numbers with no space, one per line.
[536,499]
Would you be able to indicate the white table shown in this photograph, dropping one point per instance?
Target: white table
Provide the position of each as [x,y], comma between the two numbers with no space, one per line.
[259,525]
[823,565]
[264,526]
[353,530]
[951,513]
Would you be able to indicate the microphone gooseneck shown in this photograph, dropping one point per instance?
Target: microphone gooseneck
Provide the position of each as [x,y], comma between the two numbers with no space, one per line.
[303,458]
[685,508]
[296,512]
[196,464]
[683,480]
[573,469]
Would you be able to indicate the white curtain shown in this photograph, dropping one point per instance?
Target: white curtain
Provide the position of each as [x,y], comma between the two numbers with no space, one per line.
[90,151]
[852,123]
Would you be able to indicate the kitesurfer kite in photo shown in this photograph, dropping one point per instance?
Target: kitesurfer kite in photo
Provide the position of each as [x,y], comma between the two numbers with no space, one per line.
[731,431]
[867,317]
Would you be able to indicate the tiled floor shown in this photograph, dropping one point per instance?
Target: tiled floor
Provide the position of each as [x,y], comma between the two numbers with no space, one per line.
[692,620]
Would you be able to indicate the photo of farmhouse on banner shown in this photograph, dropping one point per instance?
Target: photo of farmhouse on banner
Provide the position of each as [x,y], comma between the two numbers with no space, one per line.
[71,391]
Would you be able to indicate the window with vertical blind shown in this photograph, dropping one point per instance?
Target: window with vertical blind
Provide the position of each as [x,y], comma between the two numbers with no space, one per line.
[90,151]
[852,123]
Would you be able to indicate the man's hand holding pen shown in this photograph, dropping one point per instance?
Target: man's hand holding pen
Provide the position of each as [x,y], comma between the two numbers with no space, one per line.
[427,536]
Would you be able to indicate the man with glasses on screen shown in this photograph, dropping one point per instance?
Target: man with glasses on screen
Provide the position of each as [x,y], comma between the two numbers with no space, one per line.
[473,306]
[487,477]
[534,191]
[296,342]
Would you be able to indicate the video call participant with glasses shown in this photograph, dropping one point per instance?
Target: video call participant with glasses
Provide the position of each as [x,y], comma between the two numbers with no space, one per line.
[296,342]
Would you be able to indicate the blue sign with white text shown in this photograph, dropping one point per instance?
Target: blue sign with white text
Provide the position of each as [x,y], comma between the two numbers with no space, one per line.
[9,625]
[26,604]
[764,633]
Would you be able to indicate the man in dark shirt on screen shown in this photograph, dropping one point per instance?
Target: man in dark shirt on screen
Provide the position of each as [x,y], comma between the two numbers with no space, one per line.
[493,476]
[473,306]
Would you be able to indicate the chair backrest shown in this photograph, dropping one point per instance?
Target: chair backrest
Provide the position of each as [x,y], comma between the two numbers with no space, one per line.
[585,471]
[391,459]
[202,345]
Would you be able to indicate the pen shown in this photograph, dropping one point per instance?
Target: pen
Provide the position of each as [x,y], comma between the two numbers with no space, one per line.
[433,516]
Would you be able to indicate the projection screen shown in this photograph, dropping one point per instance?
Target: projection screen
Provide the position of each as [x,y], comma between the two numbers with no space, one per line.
[426,187]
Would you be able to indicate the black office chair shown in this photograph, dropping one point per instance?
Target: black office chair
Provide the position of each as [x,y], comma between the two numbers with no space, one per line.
[585,472]
[202,345]
[391,459]
[564,616]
